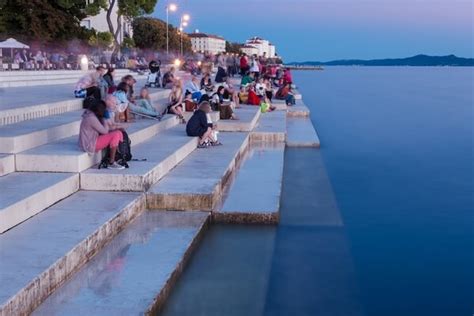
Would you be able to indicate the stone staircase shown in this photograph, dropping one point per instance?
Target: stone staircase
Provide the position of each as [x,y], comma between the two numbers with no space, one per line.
[65,225]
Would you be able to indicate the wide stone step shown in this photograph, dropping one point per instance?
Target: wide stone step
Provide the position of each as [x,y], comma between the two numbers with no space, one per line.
[25,135]
[40,101]
[270,128]
[134,273]
[197,182]
[65,156]
[248,118]
[7,164]
[254,194]
[41,253]
[26,194]
[162,153]
[298,110]
[43,78]
[301,133]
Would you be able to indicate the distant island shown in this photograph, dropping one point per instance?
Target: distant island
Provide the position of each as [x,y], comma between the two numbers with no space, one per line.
[418,60]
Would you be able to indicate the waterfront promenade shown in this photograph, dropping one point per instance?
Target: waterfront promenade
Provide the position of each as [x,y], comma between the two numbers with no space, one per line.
[67,226]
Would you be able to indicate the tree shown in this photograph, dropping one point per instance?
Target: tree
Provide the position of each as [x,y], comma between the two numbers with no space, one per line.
[149,33]
[233,47]
[45,21]
[126,9]
[101,40]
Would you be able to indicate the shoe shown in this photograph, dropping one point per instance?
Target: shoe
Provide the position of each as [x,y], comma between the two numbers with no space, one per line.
[116,166]
[217,143]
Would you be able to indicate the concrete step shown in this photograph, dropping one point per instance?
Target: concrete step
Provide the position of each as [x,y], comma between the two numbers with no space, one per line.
[7,164]
[301,133]
[134,273]
[280,105]
[41,253]
[197,182]
[215,116]
[43,78]
[270,128]
[65,156]
[41,101]
[298,110]
[162,153]
[248,118]
[25,135]
[253,196]
[26,194]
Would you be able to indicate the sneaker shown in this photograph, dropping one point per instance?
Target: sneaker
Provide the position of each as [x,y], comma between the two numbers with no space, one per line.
[116,166]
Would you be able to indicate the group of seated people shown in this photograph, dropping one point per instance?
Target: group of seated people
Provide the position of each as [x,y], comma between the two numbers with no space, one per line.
[108,106]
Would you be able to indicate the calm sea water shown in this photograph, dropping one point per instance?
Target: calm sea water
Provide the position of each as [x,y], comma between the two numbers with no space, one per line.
[379,221]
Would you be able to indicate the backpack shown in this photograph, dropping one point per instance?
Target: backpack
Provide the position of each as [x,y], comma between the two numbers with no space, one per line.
[123,154]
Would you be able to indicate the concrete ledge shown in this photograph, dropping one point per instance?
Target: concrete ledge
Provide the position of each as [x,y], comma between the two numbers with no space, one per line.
[246,218]
[253,196]
[86,220]
[25,135]
[15,115]
[50,77]
[197,183]
[298,110]
[150,254]
[301,133]
[163,153]
[248,118]
[7,164]
[24,113]
[26,194]
[65,155]
[271,128]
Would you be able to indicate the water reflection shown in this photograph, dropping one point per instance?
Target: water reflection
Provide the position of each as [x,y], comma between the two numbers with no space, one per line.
[301,267]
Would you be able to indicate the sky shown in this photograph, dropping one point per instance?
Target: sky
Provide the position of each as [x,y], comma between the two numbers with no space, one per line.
[323,30]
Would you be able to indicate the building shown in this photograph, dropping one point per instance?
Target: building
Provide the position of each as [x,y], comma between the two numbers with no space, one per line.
[264,47]
[249,50]
[99,23]
[207,43]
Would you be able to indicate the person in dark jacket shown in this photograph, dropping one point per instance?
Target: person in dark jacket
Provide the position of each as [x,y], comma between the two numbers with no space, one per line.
[198,125]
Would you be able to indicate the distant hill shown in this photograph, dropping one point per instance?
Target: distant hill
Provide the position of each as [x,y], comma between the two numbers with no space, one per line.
[418,60]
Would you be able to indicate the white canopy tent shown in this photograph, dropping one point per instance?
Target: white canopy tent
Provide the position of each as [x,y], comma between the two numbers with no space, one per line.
[12,44]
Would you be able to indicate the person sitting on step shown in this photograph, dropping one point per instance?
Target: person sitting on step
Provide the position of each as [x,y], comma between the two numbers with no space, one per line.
[198,126]
[95,136]
[175,100]
[168,79]
[143,105]
[122,100]
[285,93]
[88,85]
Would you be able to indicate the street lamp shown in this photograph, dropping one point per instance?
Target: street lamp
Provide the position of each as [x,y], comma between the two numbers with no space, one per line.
[170,7]
[184,22]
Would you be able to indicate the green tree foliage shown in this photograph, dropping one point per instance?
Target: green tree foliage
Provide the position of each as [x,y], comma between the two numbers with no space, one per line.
[128,42]
[233,47]
[43,20]
[101,40]
[149,33]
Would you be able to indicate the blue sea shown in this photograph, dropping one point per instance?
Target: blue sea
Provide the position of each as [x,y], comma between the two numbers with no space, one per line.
[379,221]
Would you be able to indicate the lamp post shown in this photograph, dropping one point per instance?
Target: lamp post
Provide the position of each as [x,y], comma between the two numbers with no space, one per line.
[184,22]
[170,7]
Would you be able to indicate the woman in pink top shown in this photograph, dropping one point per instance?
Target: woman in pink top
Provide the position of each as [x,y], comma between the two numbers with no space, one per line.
[95,136]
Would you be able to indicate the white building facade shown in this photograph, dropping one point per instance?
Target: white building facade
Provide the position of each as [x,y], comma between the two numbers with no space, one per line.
[249,50]
[99,23]
[207,43]
[264,47]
